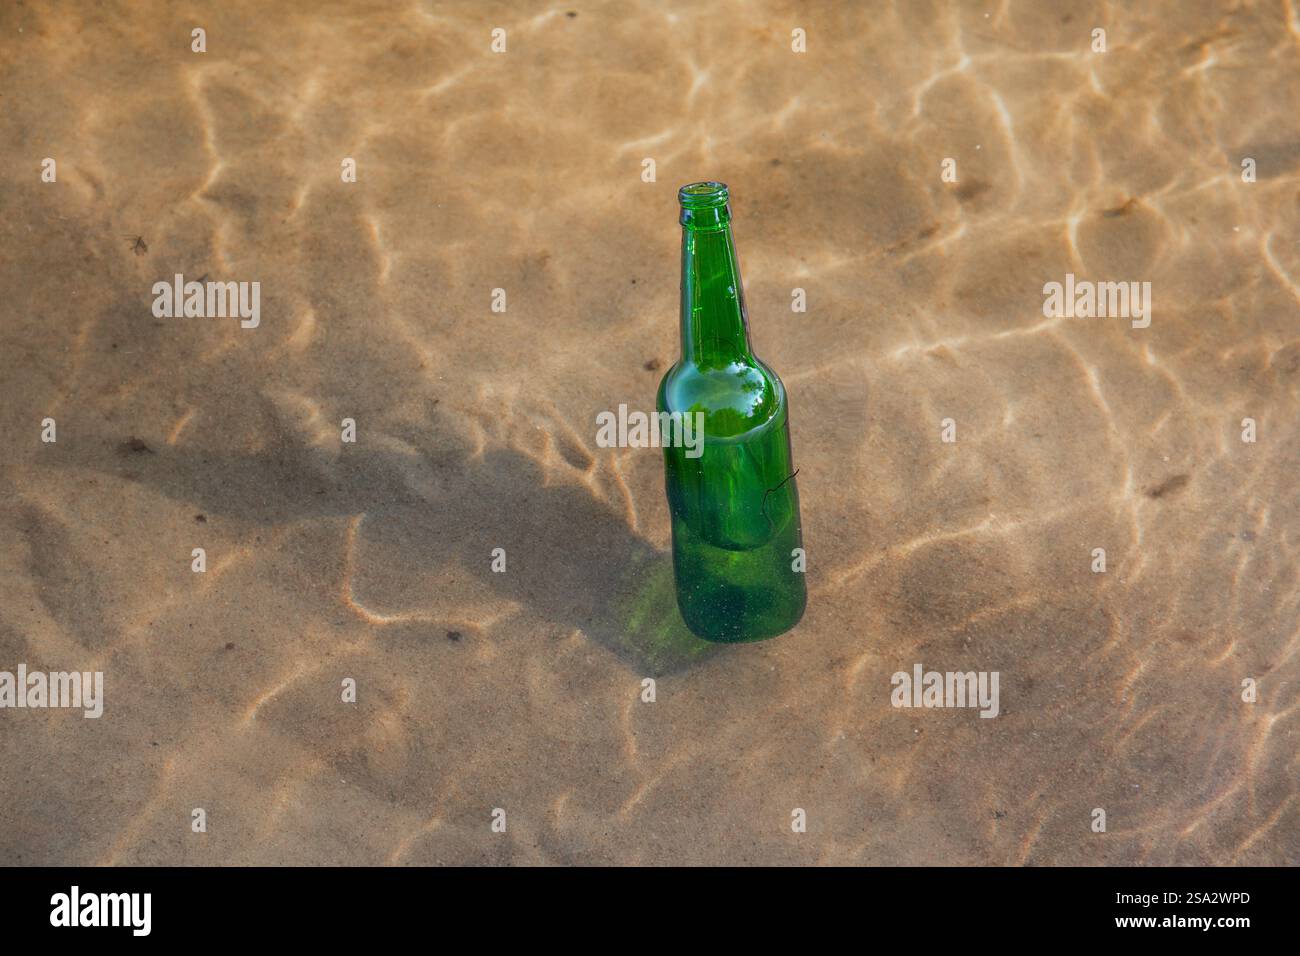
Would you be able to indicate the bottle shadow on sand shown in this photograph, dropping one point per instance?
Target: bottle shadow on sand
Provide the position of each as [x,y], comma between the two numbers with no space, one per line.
[571,559]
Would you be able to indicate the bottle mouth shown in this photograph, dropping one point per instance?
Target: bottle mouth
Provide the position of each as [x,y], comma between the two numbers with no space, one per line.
[703,195]
[704,205]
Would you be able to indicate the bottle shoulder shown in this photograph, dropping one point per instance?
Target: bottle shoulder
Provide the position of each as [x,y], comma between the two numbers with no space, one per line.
[735,399]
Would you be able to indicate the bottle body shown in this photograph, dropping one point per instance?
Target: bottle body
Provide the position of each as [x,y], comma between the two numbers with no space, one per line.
[737,540]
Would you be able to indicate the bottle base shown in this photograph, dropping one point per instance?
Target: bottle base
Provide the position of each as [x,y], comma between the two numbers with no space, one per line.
[736,614]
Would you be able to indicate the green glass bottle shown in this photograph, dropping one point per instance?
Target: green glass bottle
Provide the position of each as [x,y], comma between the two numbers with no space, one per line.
[732,497]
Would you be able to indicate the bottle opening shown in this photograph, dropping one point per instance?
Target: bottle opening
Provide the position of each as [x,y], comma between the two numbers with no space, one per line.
[703,195]
[704,205]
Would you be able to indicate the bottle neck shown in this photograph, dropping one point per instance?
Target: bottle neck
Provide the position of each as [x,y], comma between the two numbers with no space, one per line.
[715,329]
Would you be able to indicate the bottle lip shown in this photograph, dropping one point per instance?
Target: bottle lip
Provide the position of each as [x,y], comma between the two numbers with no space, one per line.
[704,195]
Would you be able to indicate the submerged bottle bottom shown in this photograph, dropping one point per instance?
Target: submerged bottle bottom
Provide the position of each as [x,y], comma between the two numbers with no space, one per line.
[733,596]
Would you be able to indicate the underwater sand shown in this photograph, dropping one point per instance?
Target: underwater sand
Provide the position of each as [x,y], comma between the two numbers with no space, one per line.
[475,430]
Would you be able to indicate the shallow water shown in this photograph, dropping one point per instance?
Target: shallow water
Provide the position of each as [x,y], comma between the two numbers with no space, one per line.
[522,690]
